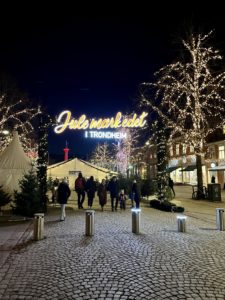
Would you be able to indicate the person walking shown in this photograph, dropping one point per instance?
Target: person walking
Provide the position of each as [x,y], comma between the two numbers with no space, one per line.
[113,188]
[80,184]
[136,193]
[63,195]
[171,184]
[102,193]
[91,189]
[55,185]
[122,199]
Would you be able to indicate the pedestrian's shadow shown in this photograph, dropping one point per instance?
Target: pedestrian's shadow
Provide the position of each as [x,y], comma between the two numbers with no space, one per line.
[52,221]
[202,228]
[170,230]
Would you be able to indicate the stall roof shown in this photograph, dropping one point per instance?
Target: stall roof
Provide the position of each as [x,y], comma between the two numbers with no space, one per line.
[171,169]
[189,168]
[217,168]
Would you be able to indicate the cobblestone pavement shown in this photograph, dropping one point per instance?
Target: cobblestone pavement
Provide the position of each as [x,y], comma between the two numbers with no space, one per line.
[158,263]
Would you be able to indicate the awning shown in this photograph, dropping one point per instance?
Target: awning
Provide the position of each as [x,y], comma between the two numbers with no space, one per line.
[171,169]
[217,168]
[189,168]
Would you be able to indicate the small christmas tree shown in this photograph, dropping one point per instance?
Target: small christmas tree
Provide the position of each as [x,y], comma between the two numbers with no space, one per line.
[28,201]
[4,198]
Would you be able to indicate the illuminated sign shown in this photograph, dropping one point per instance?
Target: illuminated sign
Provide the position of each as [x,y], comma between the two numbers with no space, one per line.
[65,121]
[105,135]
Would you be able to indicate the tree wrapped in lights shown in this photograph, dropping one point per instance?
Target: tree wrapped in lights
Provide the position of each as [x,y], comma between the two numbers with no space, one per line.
[124,151]
[122,155]
[43,159]
[189,96]
[161,141]
[16,113]
[101,156]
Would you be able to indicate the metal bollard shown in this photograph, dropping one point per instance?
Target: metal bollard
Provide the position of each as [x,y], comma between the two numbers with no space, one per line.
[90,222]
[220,219]
[135,220]
[181,223]
[38,226]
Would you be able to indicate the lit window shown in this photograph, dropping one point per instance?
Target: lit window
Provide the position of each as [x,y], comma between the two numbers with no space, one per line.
[171,150]
[221,152]
[191,149]
[223,129]
[184,149]
[177,149]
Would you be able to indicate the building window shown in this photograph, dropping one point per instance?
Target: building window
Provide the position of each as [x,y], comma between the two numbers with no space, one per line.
[177,149]
[223,129]
[184,149]
[211,152]
[221,152]
[191,149]
[171,151]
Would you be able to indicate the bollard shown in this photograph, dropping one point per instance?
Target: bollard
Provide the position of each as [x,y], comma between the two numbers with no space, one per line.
[90,222]
[220,219]
[135,220]
[181,223]
[38,226]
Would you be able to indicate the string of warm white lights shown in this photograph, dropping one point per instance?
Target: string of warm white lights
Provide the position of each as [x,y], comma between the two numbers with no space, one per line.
[16,116]
[192,94]
[189,94]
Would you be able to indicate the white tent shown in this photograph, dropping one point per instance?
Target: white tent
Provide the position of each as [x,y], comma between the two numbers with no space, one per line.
[13,165]
[72,167]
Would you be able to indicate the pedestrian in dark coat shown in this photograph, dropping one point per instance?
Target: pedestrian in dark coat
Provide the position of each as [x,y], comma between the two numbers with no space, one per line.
[91,189]
[102,193]
[171,184]
[80,185]
[113,187]
[136,193]
[63,195]
[122,199]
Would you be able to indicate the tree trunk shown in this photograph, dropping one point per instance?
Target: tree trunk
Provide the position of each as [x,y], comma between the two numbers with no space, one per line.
[200,194]
[161,164]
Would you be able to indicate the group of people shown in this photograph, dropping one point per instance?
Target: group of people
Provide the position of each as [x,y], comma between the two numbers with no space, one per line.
[90,187]
[117,196]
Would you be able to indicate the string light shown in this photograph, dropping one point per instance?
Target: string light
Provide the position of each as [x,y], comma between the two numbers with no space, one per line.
[16,116]
[189,96]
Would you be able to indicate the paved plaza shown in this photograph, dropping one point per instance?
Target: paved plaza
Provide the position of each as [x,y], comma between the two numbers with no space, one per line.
[158,263]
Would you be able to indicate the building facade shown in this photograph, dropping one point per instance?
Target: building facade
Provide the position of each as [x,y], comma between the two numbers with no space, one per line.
[182,162]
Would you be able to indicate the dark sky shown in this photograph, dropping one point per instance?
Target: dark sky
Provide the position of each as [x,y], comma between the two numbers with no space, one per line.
[93,65]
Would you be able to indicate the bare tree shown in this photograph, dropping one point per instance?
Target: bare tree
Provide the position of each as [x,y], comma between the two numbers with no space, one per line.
[16,113]
[189,95]
[101,156]
[124,150]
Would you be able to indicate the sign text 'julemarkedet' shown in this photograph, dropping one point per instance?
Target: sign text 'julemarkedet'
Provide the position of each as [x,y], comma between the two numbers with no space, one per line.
[66,121]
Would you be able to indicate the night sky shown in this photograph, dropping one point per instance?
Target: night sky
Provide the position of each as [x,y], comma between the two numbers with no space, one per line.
[93,65]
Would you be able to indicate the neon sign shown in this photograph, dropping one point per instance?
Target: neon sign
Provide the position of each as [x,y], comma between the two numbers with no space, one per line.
[65,121]
[105,135]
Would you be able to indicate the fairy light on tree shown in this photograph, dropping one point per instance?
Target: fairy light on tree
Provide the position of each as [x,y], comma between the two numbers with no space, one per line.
[122,155]
[101,156]
[16,113]
[125,151]
[160,136]
[189,96]
[43,158]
